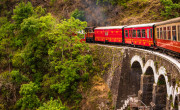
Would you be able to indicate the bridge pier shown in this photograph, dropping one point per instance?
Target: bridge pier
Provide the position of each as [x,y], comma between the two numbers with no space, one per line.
[176,105]
[159,97]
[146,88]
[168,103]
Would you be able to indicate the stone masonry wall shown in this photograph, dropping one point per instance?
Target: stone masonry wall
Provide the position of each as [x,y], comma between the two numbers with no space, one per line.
[115,66]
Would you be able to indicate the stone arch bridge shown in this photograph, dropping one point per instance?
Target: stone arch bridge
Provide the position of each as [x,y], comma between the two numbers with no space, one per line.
[152,77]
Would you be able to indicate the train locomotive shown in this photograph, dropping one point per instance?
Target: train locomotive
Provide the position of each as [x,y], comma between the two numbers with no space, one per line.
[163,35]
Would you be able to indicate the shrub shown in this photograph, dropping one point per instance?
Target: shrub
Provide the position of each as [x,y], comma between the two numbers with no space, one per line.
[39,11]
[3,20]
[52,2]
[53,105]
[113,2]
[17,77]
[17,60]
[29,26]
[78,15]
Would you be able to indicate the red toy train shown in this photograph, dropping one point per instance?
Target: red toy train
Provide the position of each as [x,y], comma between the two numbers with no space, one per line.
[163,35]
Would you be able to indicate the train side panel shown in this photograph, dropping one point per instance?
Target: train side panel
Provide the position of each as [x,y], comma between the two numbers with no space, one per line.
[114,35]
[168,36]
[99,35]
[142,36]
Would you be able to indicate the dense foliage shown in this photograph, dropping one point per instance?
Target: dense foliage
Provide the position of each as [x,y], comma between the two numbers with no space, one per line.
[171,9]
[42,59]
[78,14]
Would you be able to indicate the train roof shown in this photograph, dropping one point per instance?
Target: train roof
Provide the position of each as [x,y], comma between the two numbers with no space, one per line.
[140,25]
[89,27]
[110,27]
[174,20]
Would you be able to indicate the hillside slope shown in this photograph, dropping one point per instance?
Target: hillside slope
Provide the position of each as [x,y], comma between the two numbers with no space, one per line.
[135,12]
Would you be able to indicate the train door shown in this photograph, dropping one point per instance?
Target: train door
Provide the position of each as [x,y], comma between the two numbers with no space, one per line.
[152,38]
[106,36]
[148,38]
[130,35]
[150,34]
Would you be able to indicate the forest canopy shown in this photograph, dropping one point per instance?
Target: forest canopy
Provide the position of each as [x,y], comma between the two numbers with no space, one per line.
[43,63]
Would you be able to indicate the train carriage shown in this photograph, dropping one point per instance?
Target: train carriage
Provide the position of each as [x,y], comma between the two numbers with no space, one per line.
[164,35]
[141,34]
[109,34]
[168,34]
[89,34]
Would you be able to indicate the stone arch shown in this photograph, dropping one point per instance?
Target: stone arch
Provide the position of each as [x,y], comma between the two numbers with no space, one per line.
[162,72]
[135,77]
[150,63]
[160,93]
[137,58]
[149,71]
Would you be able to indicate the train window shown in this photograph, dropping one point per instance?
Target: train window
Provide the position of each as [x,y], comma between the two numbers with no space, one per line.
[126,33]
[161,33]
[169,32]
[179,33]
[164,33]
[143,33]
[151,33]
[139,33]
[174,33]
[158,33]
[147,33]
[134,33]
[130,33]
[90,30]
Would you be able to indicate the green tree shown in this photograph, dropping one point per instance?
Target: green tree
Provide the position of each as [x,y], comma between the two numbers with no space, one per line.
[171,9]
[68,57]
[29,98]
